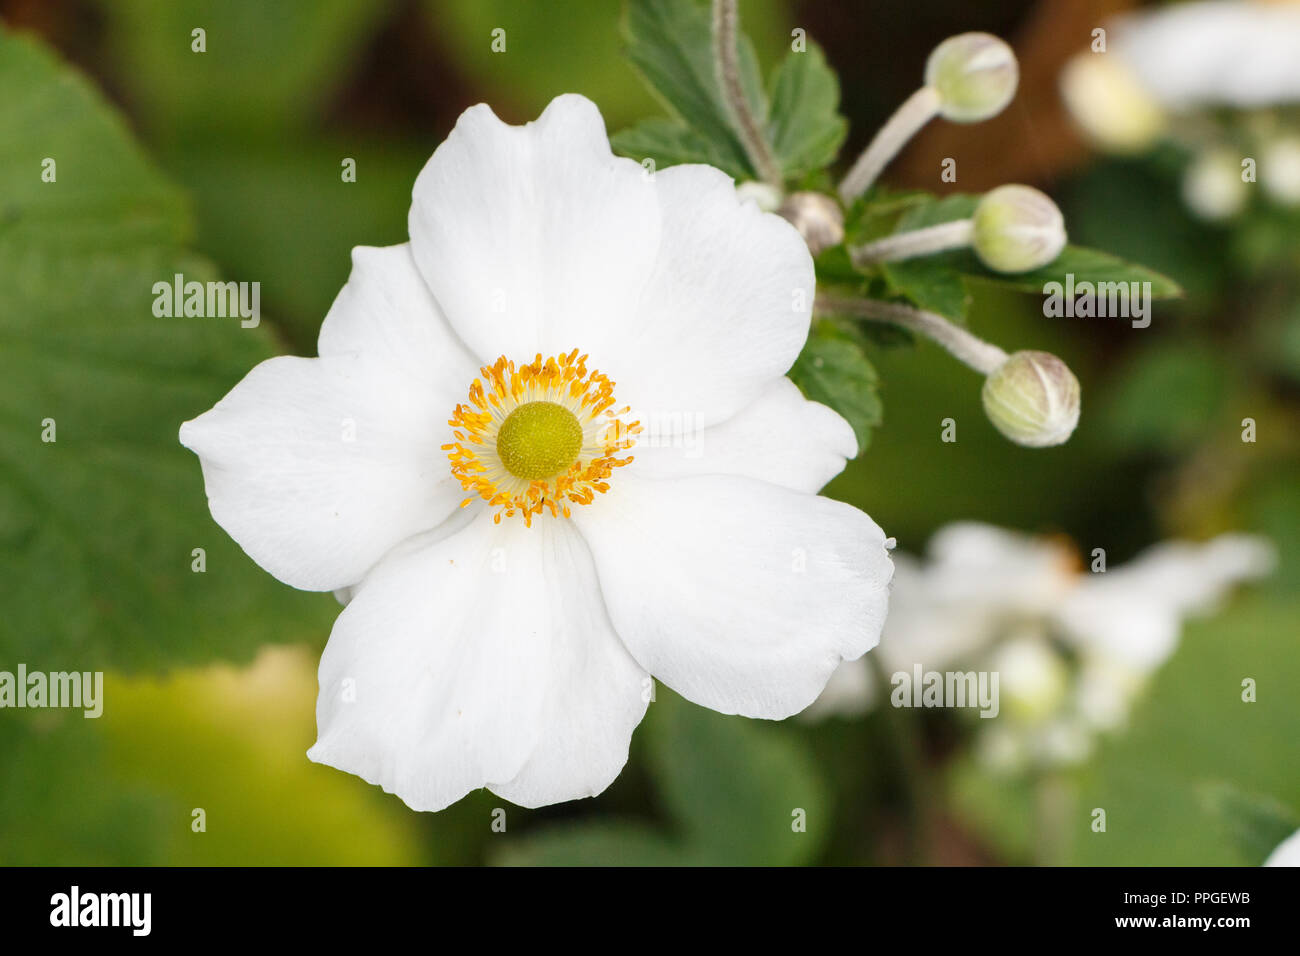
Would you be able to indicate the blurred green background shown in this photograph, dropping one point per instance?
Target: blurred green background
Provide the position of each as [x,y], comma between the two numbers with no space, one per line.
[212,677]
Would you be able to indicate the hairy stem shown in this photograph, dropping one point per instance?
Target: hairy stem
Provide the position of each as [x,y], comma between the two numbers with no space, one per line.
[917,110]
[982,356]
[727,68]
[917,242]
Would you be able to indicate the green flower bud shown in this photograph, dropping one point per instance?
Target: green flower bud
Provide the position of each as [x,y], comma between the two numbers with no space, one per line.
[975,75]
[818,218]
[1033,399]
[1017,229]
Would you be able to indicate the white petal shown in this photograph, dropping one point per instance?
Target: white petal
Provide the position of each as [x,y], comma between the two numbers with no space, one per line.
[782,438]
[1133,614]
[538,239]
[533,238]
[597,694]
[726,310]
[317,467]
[740,595]
[1241,54]
[386,312]
[435,674]
[982,565]
[482,658]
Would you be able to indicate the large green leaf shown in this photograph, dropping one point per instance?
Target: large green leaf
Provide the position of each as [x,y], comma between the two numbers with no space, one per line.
[98,527]
[266,65]
[833,370]
[806,128]
[670,43]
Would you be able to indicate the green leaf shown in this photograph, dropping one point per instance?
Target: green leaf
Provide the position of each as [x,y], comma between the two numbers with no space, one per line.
[1257,823]
[929,285]
[833,370]
[806,129]
[670,44]
[1086,265]
[97,528]
[736,786]
[301,253]
[667,143]
[267,65]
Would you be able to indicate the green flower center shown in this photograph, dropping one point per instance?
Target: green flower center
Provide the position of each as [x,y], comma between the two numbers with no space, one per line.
[539,440]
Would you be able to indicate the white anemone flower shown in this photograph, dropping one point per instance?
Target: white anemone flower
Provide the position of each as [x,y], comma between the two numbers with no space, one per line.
[459,465]
[997,600]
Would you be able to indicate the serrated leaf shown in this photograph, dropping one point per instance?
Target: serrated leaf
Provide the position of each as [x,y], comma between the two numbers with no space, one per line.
[670,44]
[833,370]
[667,143]
[929,285]
[806,129]
[97,528]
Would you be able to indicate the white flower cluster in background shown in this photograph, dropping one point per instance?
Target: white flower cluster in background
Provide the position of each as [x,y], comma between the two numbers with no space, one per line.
[1215,78]
[1073,648]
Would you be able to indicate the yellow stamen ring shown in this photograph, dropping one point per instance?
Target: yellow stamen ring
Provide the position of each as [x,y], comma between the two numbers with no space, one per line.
[538,437]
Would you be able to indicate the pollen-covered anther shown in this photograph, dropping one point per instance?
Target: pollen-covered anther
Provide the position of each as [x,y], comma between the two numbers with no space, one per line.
[538,437]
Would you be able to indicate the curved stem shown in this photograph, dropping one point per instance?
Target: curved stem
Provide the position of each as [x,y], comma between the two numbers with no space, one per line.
[727,69]
[982,356]
[917,242]
[917,110]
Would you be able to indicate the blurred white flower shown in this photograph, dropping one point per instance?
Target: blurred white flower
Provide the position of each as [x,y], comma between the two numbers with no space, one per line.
[1279,169]
[1212,185]
[1073,648]
[1165,69]
[1287,852]
[513,578]
[1227,53]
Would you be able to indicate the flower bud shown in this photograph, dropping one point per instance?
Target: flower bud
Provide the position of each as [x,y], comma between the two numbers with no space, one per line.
[975,75]
[1279,170]
[1033,399]
[1017,229]
[1212,186]
[766,196]
[818,218]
